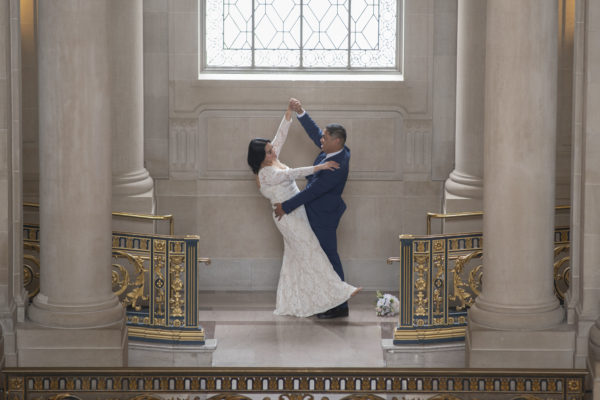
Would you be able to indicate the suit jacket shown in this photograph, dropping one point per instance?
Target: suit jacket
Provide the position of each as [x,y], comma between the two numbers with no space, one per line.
[322,197]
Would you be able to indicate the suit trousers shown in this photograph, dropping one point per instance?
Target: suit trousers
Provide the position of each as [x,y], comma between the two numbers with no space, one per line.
[328,240]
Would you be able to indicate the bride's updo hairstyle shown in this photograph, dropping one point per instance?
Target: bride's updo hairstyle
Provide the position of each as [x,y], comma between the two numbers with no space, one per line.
[256,153]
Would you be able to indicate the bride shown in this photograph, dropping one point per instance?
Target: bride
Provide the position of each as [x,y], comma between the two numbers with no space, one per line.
[308,284]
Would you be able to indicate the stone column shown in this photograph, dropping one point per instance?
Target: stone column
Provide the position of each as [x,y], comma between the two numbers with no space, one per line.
[75,308]
[464,187]
[517,321]
[7,304]
[583,298]
[12,293]
[133,188]
[587,101]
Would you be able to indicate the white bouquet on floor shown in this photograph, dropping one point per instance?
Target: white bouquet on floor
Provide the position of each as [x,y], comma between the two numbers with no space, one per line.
[387,305]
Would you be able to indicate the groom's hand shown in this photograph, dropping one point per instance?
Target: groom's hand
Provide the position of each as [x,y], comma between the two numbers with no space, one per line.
[278,210]
[296,106]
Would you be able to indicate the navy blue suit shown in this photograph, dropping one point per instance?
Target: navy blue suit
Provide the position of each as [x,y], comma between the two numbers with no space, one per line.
[322,198]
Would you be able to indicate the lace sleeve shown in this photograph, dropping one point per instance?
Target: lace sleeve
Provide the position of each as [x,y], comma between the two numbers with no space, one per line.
[281,135]
[274,176]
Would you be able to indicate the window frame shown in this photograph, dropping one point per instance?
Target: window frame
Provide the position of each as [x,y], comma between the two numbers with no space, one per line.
[334,73]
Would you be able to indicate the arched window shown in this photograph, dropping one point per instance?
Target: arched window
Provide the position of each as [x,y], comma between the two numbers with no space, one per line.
[301,36]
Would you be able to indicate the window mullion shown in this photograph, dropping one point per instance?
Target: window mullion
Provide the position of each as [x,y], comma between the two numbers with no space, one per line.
[302,34]
[253,46]
[349,66]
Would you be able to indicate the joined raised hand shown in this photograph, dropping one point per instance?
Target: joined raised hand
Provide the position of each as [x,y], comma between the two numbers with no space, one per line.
[296,106]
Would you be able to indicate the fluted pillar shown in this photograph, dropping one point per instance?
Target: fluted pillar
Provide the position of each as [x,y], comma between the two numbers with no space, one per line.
[464,186]
[516,320]
[586,213]
[75,303]
[132,186]
[12,293]
[583,298]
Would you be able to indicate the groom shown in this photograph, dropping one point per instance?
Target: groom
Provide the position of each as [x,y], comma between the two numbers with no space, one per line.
[322,197]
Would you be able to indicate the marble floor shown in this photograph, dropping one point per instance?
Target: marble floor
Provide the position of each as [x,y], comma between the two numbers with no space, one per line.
[249,334]
[242,331]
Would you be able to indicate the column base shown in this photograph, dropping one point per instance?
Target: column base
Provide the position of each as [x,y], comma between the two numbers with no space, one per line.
[517,318]
[455,204]
[8,339]
[490,348]
[446,355]
[137,204]
[2,356]
[75,316]
[134,193]
[8,344]
[583,326]
[40,346]
[132,183]
[594,359]
[464,185]
[166,355]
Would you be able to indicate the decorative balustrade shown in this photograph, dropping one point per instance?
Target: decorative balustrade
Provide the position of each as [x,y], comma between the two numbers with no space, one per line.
[440,277]
[155,277]
[291,384]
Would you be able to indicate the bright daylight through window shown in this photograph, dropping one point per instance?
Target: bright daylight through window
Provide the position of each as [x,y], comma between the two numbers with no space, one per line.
[302,35]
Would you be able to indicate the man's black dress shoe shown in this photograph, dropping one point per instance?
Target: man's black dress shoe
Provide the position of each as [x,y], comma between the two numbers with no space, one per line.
[333,313]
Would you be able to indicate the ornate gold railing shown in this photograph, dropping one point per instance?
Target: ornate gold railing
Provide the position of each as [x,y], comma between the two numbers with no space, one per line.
[440,277]
[466,214]
[292,384]
[151,217]
[155,277]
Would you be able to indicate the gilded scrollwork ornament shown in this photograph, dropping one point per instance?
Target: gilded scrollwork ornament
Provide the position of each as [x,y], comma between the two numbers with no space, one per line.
[31,274]
[363,397]
[64,396]
[121,280]
[226,396]
[562,271]
[420,299]
[466,297]
[146,397]
[296,396]
[159,285]
[177,300]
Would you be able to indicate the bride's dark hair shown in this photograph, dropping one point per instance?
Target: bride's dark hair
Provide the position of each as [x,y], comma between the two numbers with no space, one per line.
[256,153]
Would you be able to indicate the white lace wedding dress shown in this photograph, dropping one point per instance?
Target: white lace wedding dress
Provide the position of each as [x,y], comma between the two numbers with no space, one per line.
[307,282]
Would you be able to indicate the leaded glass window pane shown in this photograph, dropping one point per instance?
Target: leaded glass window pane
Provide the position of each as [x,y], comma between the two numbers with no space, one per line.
[373,34]
[301,34]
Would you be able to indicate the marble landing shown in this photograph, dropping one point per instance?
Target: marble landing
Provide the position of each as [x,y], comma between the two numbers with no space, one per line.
[242,331]
[249,334]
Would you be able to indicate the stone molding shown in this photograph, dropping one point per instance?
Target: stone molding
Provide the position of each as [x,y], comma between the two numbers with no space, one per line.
[214,145]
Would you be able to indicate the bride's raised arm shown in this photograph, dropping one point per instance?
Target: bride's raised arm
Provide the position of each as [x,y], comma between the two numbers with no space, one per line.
[282,131]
